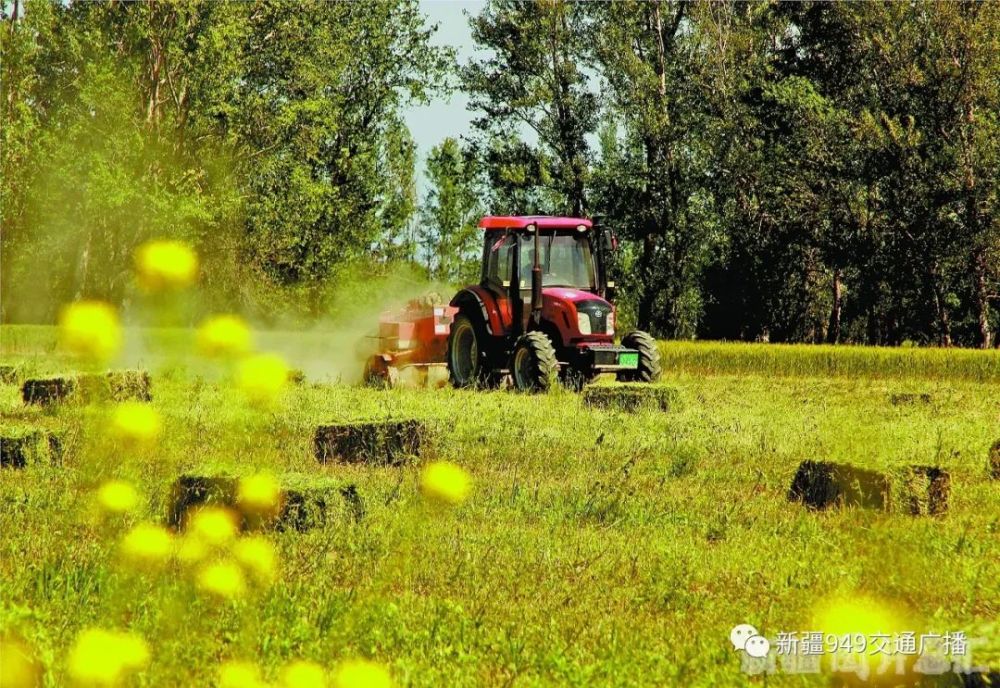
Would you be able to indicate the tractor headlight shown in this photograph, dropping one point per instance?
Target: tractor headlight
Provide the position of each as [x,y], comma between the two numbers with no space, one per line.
[583,323]
[610,323]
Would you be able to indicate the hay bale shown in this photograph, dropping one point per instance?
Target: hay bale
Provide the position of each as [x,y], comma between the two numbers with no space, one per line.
[51,390]
[821,484]
[390,442]
[981,679]
[923,490]
[196,490]
[304,501]
[995,461]
[9,375]
[20,447]
[115,385]
[916,490]
[630,397]
[125,385]
[909,399]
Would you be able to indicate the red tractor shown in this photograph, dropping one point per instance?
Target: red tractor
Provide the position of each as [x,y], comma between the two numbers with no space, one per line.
[542,311]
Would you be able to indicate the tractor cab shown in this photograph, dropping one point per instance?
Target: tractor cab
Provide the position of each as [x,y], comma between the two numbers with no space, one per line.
[543,309]
[571,259]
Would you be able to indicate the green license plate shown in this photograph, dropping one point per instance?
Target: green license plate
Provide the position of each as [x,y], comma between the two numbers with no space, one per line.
[629,359]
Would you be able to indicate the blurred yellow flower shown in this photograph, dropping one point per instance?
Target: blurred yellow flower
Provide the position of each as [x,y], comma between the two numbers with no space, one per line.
[117,497]
[445,483]
[303,674]
[213,525]
[259,494]
[136,423]
[19,668]
[360,673]
[165,264]
[90,329]
[263,377]
[238,674]
[132,650]
[104,658]
[222,579]
[257,555]
[147,545]
[224,336]
[191,550]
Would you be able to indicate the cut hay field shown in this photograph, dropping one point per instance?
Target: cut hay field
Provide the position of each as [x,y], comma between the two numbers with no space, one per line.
[597,547]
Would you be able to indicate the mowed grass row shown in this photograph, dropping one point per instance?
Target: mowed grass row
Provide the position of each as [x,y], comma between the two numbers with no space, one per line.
[732,358]
[811,360]
[597,548]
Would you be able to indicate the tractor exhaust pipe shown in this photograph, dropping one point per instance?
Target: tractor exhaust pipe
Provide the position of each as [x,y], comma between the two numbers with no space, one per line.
[536,282]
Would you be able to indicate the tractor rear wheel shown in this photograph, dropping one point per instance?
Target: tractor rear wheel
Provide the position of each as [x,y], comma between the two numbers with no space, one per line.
[467,362]
[533,365]
[649,369]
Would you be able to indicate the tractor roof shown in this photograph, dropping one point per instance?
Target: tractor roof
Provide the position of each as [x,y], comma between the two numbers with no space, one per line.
[541,221]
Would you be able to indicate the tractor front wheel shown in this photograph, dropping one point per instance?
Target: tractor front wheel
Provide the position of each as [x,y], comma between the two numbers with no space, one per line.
[649,369]
[533,365]
[467,365]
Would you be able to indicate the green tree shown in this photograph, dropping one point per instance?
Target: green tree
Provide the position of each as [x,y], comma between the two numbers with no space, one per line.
[534,80]
[268,133]
[645,51]
[450,237]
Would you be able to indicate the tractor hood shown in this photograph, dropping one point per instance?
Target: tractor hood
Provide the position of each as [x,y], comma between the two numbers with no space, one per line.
[568,294]
[577,314]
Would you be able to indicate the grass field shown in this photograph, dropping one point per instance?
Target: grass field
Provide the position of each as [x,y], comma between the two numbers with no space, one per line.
[596,548]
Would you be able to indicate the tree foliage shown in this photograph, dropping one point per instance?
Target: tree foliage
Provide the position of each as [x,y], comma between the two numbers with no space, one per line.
[268,133]
[777,171]
[450,238]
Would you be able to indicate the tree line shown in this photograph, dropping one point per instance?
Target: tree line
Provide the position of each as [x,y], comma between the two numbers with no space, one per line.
[784,172]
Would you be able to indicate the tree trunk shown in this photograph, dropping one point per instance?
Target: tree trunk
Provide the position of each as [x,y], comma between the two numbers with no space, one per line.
[940,308]
[83,266]
[833,332]
[982,299]
[647,295]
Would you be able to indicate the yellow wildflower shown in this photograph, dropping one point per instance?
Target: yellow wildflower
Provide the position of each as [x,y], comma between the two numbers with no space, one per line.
[19,668]
[238,674]
[136,423]
[117,497]
[104,658]
[303,674]
[213,525]
[263,377]
[256,554]
[164,264]
[224,336]
[132,650]
[259,494]
[147,545]
[191,550]
[222,579]
[445,483]
[361,673]
[90,329]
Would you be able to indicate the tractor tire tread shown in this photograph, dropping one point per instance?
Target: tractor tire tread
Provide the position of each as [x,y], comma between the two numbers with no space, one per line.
[545,366]
[649,369]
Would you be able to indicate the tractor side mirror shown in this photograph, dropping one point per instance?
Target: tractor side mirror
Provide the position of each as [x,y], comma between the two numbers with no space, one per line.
[609,242]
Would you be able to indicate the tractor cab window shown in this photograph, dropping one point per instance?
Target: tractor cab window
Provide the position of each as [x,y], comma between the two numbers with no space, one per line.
[566,260]
[499,258]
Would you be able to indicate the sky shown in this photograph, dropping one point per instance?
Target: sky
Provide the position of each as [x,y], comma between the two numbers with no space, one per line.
[447,115]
